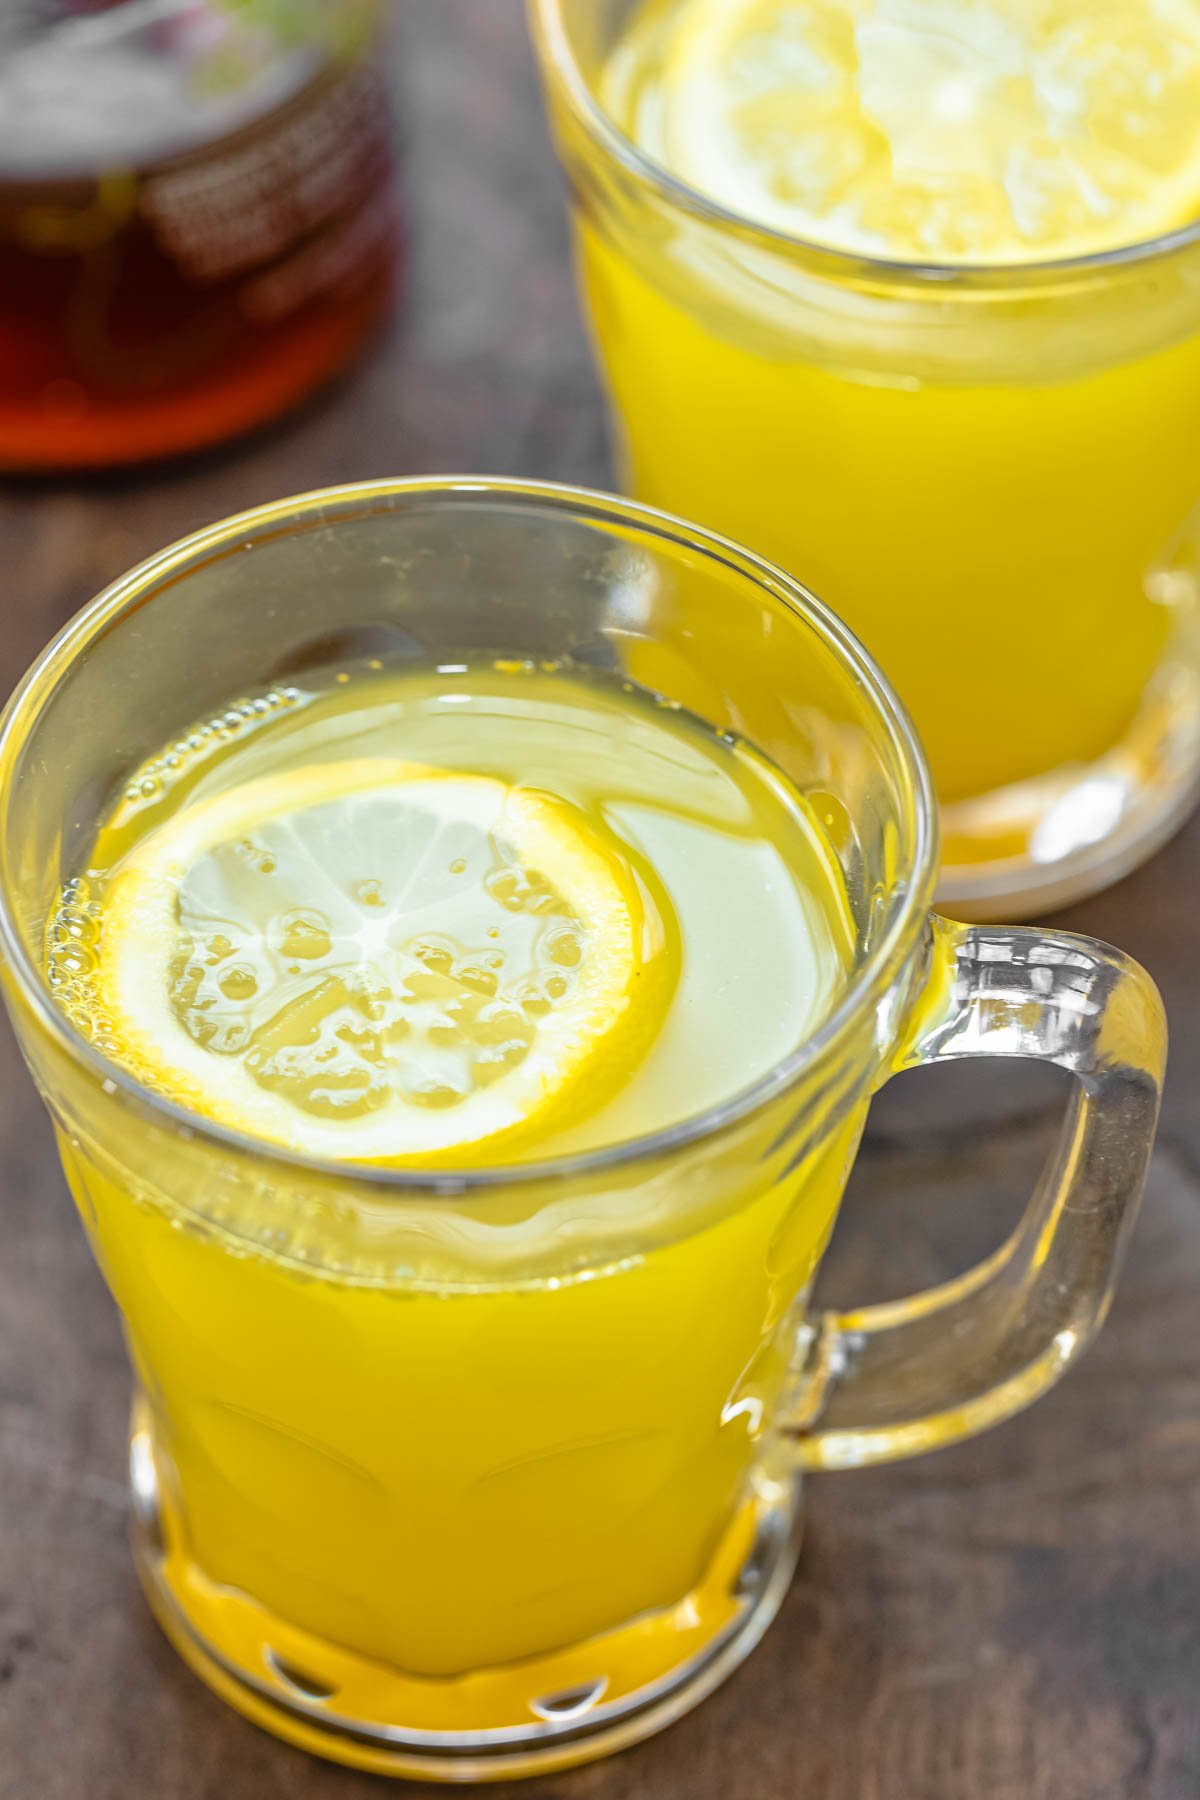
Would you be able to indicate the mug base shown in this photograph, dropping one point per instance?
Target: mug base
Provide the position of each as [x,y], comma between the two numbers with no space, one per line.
[531,1717]
[1042,844]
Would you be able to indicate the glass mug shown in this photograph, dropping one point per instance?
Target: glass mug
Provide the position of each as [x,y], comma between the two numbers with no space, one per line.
[481,1474]
[992,474]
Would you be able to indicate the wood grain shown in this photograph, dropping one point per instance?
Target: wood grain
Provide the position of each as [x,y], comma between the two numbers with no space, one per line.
[1015,1619]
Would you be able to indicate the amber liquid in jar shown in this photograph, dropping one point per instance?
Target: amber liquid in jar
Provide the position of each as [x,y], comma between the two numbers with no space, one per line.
[197,227]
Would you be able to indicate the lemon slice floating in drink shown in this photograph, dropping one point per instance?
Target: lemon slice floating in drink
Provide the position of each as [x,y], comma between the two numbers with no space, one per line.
[374,959]
[998,131]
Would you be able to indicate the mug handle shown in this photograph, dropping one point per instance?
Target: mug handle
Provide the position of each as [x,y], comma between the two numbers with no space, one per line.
[895,1380]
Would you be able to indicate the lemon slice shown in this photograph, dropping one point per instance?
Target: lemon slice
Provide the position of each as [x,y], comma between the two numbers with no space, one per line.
[373,960]
[969,130]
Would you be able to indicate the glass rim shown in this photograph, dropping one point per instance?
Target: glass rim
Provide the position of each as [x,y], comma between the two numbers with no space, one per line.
[552,40]
[154,578]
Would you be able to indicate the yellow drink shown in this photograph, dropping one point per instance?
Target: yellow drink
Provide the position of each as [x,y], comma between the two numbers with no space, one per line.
[866,367]
[486,1443]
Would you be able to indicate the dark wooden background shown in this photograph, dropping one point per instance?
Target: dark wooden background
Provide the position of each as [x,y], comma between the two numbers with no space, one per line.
[1014,1619]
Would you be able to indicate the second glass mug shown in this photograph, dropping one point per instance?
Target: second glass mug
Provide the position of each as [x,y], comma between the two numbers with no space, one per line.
[483,1474]
[991,473]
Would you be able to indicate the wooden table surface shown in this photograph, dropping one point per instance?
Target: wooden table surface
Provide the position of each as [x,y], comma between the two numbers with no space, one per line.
[1014,1619]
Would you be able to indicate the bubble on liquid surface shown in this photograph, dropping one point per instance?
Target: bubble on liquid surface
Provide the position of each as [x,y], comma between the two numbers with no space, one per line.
[240,983]
[305,935]
[522,890]
[158,776]
[565,948]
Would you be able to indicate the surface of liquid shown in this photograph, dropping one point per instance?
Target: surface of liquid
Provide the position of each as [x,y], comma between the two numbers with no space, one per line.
[421,1435]
[742,938]
[931,130]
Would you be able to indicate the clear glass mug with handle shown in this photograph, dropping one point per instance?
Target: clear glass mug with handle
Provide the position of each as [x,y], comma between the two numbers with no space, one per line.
[483,1474]
[992,473]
